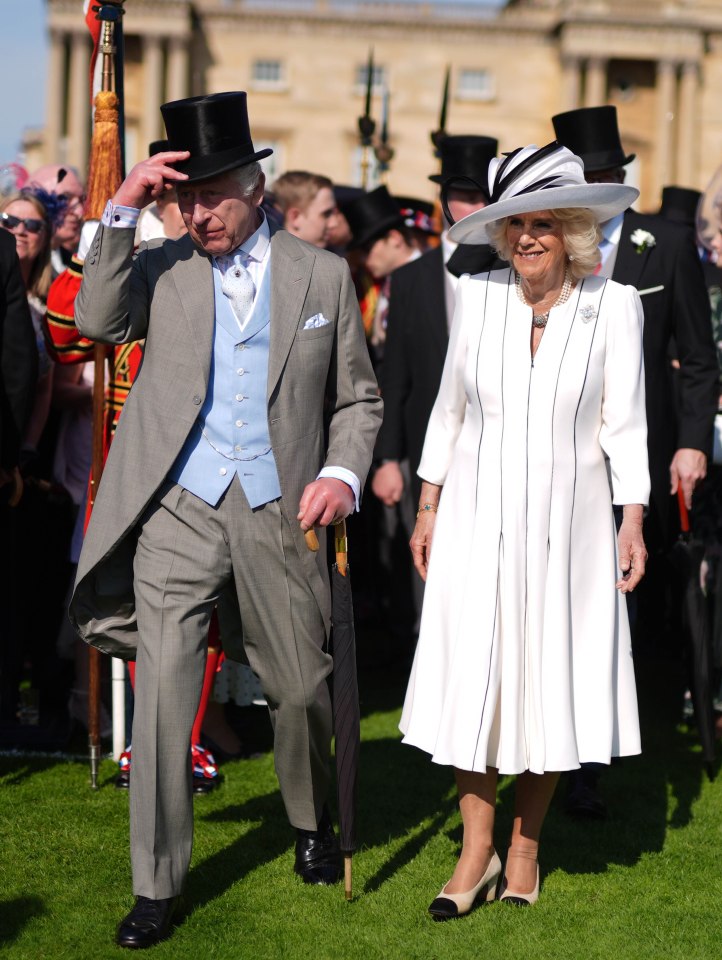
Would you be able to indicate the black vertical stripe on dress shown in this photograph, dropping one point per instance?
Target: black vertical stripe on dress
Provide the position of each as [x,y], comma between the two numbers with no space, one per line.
[501,500]
[554,405]
[576,414]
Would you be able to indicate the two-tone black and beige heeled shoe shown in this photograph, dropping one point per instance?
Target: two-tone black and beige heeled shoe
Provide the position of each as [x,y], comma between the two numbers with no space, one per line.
[519,899]
[447,906]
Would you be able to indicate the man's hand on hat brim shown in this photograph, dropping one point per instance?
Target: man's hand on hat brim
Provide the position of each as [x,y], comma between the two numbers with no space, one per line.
[147,180]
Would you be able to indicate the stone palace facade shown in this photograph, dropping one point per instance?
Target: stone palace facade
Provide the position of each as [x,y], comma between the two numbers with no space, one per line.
[304,64]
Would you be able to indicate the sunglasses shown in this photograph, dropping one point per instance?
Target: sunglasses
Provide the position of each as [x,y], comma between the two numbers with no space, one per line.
[30,223]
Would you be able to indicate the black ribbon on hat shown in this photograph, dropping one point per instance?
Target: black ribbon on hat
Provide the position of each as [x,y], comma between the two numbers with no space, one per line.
[503,181]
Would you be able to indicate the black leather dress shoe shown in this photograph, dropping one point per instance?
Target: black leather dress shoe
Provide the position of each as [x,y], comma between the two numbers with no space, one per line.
[583,797]
[147,923]
[318,858]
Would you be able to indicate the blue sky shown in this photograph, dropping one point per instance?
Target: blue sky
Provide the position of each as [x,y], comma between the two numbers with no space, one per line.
[23,69]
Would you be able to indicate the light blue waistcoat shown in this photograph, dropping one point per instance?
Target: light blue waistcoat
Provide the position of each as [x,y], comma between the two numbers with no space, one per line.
[231,434]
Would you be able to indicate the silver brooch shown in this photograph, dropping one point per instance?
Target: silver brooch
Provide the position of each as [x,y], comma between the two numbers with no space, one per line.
[587,313]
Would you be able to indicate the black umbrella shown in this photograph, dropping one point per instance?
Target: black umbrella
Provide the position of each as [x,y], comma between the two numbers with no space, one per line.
[346,711]
[688,555]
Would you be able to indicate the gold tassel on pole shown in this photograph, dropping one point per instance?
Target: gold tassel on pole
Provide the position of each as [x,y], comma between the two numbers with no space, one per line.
[105,172]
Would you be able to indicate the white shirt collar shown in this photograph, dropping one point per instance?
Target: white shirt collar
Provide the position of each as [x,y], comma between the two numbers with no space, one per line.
[254,248]
[257,245]
[447,246]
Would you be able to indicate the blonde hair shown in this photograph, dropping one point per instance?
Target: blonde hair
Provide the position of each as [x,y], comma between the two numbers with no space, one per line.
[299,189]
[580,235]
[41,271]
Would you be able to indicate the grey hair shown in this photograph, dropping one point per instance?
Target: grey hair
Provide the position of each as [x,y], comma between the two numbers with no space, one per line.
[581,237]
[248,177]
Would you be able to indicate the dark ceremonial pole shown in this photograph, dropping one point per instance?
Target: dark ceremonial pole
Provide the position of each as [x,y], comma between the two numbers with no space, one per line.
[106,174]
[438,135]
[383,151]
[366,125]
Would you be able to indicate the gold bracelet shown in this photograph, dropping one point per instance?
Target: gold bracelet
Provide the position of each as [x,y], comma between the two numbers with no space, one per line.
[426,508]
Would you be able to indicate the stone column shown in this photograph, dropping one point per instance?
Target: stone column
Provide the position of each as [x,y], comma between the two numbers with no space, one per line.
[687,128]
[53,148]
[153,89]
[571,83]
[596,86]
[177,68]
[79,112]
[665,167]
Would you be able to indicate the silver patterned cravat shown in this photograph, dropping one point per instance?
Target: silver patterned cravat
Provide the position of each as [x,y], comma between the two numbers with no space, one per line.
[237,284]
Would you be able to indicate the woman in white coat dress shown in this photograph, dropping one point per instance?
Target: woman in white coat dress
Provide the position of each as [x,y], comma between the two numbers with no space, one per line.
[524,662]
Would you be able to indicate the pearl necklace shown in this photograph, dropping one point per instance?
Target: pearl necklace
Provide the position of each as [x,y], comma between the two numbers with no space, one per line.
[540,320]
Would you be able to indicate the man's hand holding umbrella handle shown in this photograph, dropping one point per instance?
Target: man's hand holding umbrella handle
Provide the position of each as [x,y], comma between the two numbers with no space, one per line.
[687,469]
[423,534]
[632,551]
[323,502]
[147,180]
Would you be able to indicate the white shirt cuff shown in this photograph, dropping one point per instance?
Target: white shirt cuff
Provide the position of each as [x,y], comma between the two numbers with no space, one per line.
[340,473]
[120,216]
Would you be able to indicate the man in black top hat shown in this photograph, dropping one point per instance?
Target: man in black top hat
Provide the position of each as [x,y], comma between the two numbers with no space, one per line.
[252,419]
[420,313]
[378,229]
[660,259]
[680,205]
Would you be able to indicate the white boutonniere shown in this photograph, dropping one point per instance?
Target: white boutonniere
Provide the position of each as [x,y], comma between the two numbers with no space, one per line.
[642,239]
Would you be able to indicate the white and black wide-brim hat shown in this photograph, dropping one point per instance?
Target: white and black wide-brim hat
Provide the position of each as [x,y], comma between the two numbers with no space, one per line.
[547,178]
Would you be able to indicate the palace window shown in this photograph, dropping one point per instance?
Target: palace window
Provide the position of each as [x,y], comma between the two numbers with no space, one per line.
[268,75]
[272,166]
[362,78]
[475,84]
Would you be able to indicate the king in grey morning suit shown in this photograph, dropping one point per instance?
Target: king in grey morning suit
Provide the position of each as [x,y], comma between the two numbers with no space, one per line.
[253,418]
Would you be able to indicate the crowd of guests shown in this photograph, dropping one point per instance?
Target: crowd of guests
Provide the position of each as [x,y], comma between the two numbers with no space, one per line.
[384,238]
[602,403]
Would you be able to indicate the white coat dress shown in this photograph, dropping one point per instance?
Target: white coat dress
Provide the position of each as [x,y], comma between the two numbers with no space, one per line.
[524,658]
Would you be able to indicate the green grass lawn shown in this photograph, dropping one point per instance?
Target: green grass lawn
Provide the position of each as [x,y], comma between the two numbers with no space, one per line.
[646,883]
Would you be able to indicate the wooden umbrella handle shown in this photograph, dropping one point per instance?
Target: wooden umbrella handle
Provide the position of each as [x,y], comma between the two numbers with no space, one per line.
[311,540]
[341,546]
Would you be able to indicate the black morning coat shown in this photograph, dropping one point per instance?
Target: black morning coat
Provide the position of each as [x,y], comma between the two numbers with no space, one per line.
[669,277]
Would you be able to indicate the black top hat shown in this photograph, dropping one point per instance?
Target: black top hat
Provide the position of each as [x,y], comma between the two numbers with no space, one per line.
[680,204]
[593,134]
[345,195]
[215,130]
[466,158]
[417,214]
[372,215]
[157,146]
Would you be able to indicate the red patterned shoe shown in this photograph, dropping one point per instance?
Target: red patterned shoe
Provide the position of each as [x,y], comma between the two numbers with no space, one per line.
[205,769]
[122,781]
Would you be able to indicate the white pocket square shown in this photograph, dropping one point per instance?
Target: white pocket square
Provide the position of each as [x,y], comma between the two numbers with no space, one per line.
[650,290]
[317,320]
